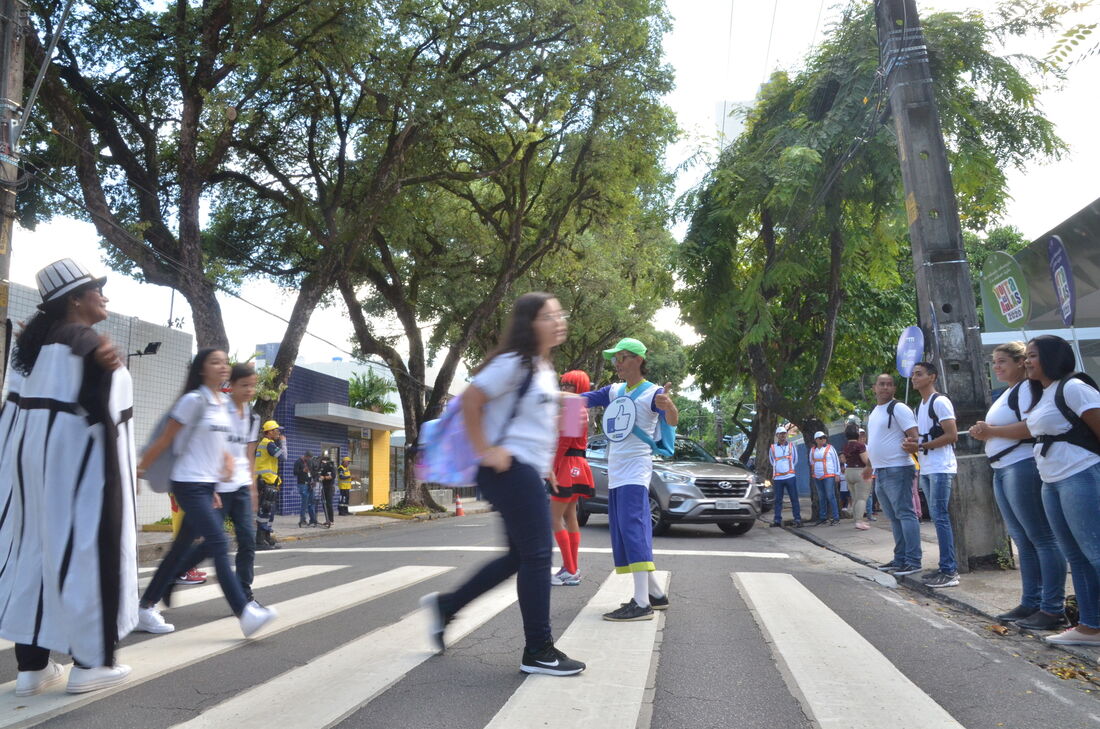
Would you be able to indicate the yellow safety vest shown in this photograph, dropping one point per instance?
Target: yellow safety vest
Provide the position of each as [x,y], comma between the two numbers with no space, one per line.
[267,465]
[345,477]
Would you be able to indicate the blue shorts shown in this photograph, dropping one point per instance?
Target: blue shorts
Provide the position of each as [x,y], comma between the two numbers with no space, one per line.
[631,529]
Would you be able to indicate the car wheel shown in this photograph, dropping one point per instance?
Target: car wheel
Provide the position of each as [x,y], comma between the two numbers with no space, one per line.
[657,517]
[736,530]
[582,513]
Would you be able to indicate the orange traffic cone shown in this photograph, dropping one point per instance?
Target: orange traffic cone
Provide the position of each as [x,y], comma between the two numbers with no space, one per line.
[459,511]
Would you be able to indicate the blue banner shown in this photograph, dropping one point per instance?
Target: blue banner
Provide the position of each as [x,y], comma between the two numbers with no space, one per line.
[1061,275]
[910,350]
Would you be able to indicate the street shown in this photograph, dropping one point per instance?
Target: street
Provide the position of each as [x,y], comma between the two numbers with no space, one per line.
[763,631]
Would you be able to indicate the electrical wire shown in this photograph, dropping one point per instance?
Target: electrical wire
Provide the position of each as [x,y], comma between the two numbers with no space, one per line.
[726,78]
[771,35]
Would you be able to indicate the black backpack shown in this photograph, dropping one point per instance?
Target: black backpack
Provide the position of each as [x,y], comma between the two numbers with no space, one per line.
[936,430]
[1079,433]
[1014,404]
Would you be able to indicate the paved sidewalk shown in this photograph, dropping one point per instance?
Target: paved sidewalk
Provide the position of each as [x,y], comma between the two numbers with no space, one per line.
[153,545]
[984,592]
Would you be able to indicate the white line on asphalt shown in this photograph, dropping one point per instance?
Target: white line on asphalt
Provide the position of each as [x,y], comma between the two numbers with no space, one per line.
[608,695]
[331,687]
[171,652]
[585,550]
[822,658]
[192,595]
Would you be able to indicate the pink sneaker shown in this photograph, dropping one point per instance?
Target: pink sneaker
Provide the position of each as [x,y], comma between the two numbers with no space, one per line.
[862,525]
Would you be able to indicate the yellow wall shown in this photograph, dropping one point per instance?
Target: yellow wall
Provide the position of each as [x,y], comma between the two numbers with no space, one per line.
[379,468]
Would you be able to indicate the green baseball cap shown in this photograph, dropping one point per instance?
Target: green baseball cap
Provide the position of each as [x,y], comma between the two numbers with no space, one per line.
[626,345]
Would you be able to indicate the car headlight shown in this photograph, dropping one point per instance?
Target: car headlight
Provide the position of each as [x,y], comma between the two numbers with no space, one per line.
[670,477]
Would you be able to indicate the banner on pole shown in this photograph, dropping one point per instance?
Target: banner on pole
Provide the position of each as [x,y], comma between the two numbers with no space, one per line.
[1004,284]
[1061,275]
[910,350]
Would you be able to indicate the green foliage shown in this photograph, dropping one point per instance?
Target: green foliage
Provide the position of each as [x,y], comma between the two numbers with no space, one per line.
[370,392]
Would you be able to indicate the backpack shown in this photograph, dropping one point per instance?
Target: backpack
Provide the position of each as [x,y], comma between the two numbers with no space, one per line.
[936,430]
[444,454]
[158,474]
[1079,433]
[890,414]
[1014,405]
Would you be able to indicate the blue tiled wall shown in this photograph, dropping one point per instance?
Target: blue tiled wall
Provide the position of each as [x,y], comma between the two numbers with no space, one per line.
[307,435]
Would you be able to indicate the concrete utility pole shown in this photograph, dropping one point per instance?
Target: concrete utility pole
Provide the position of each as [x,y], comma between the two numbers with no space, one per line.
[12,27]
[945,299]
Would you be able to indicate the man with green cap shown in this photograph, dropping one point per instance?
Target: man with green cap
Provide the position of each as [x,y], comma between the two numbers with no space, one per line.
[639,419]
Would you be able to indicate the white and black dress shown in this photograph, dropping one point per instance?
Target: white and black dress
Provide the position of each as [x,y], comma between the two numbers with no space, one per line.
[68,563]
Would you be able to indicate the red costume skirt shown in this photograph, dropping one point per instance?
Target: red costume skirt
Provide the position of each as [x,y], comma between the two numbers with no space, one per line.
[574,477]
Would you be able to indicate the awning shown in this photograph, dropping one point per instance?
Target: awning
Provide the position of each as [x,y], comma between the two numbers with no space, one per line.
[330,412]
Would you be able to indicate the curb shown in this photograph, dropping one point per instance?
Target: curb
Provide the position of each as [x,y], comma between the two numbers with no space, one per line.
[918,586]
[152,552]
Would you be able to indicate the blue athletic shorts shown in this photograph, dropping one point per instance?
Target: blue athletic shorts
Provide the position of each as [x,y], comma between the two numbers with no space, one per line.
[631,530]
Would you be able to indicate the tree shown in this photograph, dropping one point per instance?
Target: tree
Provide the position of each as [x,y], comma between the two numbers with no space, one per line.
[370,391]
[790,266]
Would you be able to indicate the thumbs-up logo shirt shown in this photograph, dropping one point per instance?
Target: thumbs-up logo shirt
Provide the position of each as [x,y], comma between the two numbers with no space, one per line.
[619,418]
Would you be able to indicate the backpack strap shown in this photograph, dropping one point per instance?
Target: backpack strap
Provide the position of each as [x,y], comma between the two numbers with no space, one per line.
[523,388]
[1079,433]
[936,430]
[890,414]
[1014,405]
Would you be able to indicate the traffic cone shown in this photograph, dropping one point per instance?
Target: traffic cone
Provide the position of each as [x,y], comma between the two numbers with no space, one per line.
[459,511]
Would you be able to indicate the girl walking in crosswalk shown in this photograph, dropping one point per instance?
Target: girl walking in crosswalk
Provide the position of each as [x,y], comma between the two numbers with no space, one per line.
[510,412]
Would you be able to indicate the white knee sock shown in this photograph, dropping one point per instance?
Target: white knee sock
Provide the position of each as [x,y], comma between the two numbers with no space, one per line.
[654,589]
[641,588]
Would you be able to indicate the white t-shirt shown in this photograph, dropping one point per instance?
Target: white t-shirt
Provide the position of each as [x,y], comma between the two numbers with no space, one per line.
[884,443]
[532,436]
[1001,414]
[629,460]
[246,429]
[941,459]
[203,441]
[784,459]
[1062,459]
[824,461]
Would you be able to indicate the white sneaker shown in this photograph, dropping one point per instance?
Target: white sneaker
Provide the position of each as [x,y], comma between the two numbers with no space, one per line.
[559,578]
[30,683]
[255,616]
[151,621]
[83,680]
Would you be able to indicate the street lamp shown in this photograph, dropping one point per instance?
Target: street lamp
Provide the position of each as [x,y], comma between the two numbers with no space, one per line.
[150,348]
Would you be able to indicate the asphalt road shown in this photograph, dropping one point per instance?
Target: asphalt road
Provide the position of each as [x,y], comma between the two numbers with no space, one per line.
[764,630]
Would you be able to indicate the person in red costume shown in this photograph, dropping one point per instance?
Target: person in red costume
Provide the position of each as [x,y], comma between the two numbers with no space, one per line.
[571,480]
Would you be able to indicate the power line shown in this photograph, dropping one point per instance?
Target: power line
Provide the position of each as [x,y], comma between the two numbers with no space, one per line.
[726,79]
[771,34]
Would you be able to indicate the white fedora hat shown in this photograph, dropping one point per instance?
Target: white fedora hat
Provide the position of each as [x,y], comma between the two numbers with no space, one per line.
[63,277]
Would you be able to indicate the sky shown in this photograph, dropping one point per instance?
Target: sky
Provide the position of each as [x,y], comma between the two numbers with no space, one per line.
[720,50]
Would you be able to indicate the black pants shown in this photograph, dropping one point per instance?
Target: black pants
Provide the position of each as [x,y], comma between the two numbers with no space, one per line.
[327,488]
[33,658]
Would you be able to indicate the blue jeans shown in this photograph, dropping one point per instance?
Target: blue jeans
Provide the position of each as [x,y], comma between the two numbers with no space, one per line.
[894,486]
[237,505]
[200,519]
[937,491]
[1019,493]
[1073,509]
[790,486]
[826,496]
[305,493]
[519,496]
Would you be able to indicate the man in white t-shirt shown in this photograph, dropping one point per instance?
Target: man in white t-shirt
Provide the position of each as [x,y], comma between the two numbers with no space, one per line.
[889,426]
[784,459]
[938,433]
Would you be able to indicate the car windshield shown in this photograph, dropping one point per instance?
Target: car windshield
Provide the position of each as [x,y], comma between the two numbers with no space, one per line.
[688,451]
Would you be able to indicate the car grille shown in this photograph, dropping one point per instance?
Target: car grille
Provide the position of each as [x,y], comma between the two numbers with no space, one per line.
[712,490]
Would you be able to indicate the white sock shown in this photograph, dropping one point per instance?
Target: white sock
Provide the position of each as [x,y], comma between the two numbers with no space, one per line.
[654,589]
[641,589]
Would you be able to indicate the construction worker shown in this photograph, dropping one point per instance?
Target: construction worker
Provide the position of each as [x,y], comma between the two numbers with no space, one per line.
[343,475]
[270,452]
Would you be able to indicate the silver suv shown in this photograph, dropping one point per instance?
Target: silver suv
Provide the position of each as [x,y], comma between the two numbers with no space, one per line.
[691,487]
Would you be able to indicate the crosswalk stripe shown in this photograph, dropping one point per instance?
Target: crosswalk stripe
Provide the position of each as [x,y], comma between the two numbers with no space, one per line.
[824,658]
[152,658]
[609,694]
[583,550]
[348,677]
[212,590]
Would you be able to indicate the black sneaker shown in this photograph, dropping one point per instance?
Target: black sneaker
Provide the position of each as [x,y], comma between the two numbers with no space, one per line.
[657,603]
[834,522]
[912,569]
[437,620]
[888,567]
[775,524]
[1042,621]
[798,525]
[629,612]
[550,661]
[1017,613]
[819,522]
[943,580]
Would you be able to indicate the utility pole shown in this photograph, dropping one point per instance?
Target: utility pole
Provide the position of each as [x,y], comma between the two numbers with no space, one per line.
[12,28]
[945,298]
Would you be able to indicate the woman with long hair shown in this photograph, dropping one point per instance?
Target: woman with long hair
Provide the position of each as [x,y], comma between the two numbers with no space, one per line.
[570,481]
[1018,489]
[69,581]
[198,429]
[1065,421]
[510,411]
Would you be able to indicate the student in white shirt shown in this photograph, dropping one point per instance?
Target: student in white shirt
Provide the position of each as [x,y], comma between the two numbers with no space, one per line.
[198,429]
[1019,493]
[938,432]
[783,457]
[510,411]
[824,469]
[1067,454]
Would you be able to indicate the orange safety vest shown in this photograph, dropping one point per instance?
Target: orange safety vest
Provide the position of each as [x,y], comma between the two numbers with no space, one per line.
[776,473]
[824,461]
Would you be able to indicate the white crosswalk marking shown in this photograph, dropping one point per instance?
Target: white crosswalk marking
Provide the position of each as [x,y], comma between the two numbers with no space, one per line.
[152,658]
[608,695]
[822,658]
[583,550]
[212,590]
[350,676]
